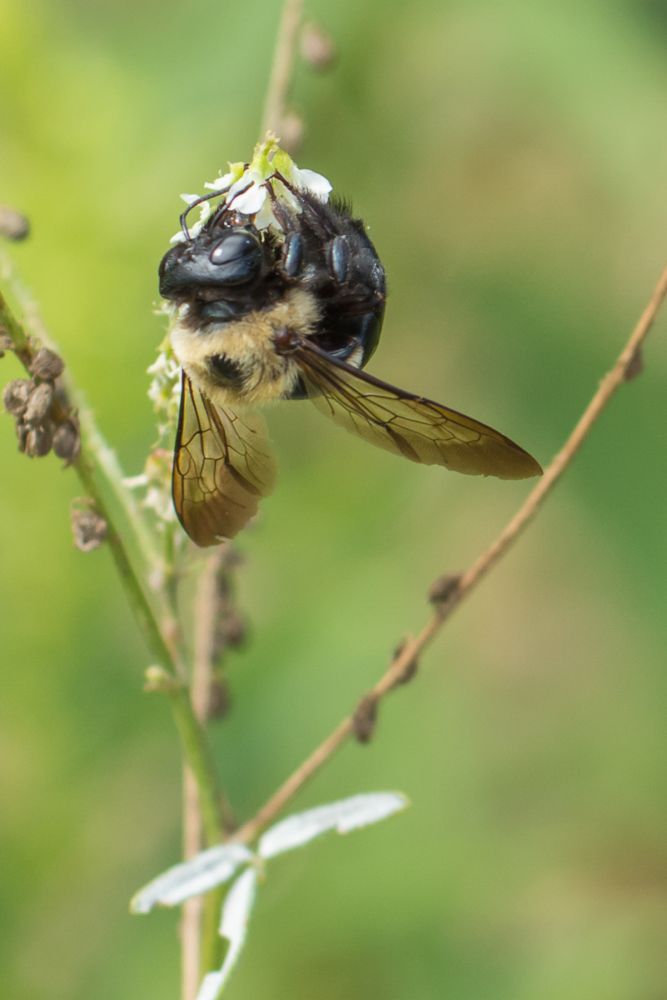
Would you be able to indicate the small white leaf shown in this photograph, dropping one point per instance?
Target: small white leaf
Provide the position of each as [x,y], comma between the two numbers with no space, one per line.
[343,816]
[199,874]
[233,926]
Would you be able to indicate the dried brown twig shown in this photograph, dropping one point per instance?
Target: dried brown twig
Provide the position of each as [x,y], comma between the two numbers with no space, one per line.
[446,594]
[282,67]
[214,613]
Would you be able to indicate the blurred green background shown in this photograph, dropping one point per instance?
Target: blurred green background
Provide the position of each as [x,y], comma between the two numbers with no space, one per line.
[510,160]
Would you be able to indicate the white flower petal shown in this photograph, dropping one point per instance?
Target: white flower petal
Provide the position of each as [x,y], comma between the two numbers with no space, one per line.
[264,219]
[189,198]
[199,874]
[135,482]
[308,180]
[233,926]
[246,180]
[249,202]
[220,182]
[348,814]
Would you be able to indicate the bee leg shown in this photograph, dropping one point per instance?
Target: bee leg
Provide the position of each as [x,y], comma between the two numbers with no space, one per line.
[338,259]
[291,252]
[283,217]
[291,260]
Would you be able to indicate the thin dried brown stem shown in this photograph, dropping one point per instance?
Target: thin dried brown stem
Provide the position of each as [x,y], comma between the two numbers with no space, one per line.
[192,910]
[193,830]
[403,663]
[213,605]
[283,64]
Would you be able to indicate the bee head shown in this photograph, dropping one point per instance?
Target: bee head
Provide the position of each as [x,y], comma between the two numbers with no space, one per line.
[225,258]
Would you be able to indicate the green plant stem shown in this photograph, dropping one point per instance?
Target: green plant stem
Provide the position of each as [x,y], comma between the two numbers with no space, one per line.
[196,751]
[92,471]
[135,592]
[212,944]
[15,331]
[110,471]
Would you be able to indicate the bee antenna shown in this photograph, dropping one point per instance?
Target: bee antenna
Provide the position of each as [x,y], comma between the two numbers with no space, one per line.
[199,201]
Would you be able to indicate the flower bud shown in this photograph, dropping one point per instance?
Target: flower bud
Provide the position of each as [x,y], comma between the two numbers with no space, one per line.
[66,442]
[16,396]
[47,364]
[38,440]
[39,404]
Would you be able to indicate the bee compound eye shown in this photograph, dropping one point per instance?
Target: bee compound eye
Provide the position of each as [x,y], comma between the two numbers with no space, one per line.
[239,257]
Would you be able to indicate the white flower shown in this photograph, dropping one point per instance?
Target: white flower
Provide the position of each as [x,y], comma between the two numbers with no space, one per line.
[248,193]
[164,387]
[251,189]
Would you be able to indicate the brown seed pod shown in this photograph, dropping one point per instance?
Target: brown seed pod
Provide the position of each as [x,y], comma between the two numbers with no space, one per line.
[291,132]
[364,719]
[21,433]
[317,47]
[231,632]
[219,699]
[16,395]
[47,364]
[67,442]
[445,590]
[13,225]
[88,529]
[39,404]
[38,440]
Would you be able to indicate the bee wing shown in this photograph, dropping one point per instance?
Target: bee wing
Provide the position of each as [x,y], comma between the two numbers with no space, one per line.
[222,466]
[408,425]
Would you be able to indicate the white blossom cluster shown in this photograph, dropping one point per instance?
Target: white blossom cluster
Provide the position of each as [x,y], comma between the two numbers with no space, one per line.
[164,388]
[164,394]
[245,188]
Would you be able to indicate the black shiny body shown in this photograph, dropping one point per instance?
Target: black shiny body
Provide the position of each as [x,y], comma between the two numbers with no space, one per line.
[230,269]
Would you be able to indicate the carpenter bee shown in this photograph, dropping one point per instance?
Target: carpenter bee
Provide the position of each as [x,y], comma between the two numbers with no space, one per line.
[291,310]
